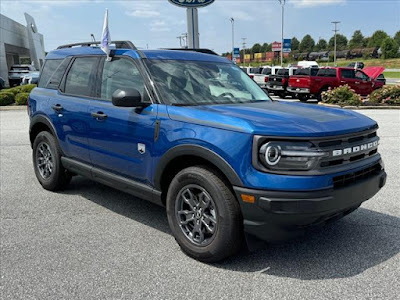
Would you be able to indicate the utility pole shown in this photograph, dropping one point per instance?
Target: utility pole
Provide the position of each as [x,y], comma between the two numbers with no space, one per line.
[244,49]
[335,30]
[282,2]
[233,36]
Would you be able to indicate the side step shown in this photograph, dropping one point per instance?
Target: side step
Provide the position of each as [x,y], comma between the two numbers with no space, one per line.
[126,185]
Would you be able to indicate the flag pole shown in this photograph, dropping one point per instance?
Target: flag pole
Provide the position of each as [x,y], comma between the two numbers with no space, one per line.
[106,37]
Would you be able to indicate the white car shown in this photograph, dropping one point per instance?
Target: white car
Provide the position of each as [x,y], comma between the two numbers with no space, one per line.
[263,78]
[307,64]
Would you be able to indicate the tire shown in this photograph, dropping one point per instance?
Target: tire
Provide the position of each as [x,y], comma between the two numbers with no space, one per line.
[302,98]
[46,158]
[319,95]
[281,95]
[221,238]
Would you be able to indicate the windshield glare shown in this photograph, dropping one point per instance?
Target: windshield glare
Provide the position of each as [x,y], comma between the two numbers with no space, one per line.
[199,83]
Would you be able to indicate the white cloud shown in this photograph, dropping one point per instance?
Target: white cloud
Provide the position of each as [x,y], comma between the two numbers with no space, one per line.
[158,26]
[140,13]
[308,3]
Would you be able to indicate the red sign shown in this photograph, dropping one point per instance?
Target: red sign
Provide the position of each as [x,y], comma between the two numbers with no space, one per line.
[276,47]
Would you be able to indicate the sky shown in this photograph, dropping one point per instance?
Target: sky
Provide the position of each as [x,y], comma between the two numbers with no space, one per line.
[158,23]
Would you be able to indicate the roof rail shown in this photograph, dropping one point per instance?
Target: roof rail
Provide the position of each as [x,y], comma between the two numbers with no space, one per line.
[118,45]
[206,51]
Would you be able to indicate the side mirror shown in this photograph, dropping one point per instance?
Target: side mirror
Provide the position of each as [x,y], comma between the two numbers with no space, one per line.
[369,79]
[127,98]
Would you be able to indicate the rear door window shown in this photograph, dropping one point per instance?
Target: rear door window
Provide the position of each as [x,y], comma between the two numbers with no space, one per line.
[81,76]
[349,74]
[330,73]
[283,72]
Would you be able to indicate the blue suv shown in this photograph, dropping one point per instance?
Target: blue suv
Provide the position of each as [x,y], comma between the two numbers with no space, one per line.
[192,132]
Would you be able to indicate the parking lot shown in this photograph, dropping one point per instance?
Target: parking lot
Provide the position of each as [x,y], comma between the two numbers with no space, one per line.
[92,242]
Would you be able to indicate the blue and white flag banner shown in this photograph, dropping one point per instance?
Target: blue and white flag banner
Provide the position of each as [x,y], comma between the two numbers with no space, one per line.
[105,37]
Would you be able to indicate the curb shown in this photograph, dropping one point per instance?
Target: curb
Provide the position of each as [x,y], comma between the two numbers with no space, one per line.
[359,107]
[13,107]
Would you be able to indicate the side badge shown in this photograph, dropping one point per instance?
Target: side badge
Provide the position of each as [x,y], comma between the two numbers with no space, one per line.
[141,148]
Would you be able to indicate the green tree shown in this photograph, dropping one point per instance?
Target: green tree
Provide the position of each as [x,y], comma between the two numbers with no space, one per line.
[264,47]
[256,48]
[341,42]
[366,41]
[377,38]
[357,40]
[321,45]
[307,44]
[295,44]
[397,37]
[390,48]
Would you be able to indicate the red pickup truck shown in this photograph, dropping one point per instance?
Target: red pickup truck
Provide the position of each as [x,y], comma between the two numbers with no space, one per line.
[362,81]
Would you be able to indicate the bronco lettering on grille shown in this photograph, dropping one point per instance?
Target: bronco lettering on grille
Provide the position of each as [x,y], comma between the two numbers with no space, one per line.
[355,149]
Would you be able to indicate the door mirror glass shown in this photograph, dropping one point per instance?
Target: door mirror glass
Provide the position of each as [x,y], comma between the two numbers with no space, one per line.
[127,98]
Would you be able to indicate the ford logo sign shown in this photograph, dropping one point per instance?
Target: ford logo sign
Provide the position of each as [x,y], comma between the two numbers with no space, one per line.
[191,3]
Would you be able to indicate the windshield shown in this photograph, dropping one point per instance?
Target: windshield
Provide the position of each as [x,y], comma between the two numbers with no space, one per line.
[200,83]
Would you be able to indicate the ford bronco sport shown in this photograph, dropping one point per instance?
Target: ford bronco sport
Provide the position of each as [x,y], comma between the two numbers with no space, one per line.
[192,132]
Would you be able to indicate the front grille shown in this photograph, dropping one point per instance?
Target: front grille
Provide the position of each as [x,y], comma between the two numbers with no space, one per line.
[353,143]
[347,179]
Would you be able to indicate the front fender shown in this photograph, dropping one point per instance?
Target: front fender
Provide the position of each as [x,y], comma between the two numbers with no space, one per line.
[201,152]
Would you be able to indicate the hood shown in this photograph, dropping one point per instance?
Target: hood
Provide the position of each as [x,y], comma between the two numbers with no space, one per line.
[373,72]
[274,118]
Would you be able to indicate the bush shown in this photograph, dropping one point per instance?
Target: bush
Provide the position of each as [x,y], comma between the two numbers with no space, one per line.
[21,98]
[389,94]
[342,95]
[14,90]
[6,98]
[27,88]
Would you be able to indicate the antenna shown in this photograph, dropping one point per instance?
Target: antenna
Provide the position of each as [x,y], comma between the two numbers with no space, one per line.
[93,38]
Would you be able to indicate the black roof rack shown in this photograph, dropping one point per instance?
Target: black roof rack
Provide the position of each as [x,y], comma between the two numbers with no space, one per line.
[118,45]
[206,51]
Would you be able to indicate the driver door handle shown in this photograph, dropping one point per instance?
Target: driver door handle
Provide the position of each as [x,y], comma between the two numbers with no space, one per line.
[57,107]
[99,115]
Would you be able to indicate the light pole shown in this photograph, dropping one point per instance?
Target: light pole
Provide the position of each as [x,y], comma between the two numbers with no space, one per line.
[335,30]
[282,2]
[233,36]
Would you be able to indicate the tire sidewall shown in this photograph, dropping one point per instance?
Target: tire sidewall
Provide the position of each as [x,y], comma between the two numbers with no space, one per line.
[225,224]
[51,182]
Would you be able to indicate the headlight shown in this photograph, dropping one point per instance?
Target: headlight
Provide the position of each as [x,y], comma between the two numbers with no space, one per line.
[290,156]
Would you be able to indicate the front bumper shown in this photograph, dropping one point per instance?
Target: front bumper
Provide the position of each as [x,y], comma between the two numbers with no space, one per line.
[298,90]
[278,215]
[275,87]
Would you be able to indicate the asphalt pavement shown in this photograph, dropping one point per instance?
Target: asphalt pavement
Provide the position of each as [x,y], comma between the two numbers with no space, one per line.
[92,242]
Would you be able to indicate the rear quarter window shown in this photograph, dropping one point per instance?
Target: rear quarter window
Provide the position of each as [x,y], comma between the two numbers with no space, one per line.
[49,68]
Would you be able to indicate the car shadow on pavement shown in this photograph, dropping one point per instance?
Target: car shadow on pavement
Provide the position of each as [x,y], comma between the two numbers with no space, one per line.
[344,248]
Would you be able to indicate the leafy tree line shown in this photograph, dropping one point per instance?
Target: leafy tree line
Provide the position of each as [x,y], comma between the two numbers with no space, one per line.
[390,46]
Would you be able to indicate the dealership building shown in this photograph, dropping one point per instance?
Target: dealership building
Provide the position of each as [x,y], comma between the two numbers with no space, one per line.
[19,42]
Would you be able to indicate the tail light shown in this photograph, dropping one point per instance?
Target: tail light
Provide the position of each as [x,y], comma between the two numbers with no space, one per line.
[266,79]
[251,76]
[284,80]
